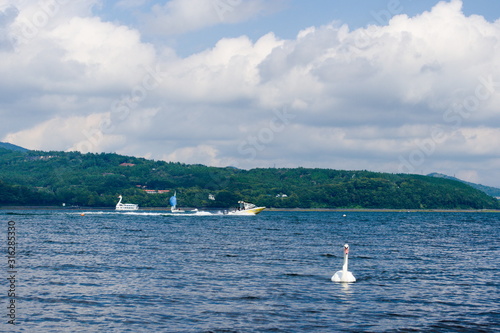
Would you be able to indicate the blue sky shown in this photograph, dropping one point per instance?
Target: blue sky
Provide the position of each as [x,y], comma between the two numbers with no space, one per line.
[394,86]
[290,16]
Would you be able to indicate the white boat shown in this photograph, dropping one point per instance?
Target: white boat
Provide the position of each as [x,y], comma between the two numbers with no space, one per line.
[127,206]
[246,208]
[173,203]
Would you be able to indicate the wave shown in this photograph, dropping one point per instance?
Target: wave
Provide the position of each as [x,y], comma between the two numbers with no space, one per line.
[116,213]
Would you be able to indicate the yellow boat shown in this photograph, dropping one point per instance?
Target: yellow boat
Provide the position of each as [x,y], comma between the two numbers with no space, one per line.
[246,208]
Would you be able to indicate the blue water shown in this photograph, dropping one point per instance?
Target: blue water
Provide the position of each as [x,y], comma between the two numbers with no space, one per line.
[150,272]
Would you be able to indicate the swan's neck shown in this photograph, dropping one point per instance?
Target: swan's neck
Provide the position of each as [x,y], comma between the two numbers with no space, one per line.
[120,201]
[346,259]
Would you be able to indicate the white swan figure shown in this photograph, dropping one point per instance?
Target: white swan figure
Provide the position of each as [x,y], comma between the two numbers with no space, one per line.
[344,275]
[122,206]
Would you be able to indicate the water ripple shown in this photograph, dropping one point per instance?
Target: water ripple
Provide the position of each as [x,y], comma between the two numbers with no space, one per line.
[416,272]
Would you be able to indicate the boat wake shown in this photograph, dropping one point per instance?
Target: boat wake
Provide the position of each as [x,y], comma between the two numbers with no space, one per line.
[136,213]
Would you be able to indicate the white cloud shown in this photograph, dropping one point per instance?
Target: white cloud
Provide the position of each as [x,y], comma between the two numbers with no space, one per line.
[79,67]
[110,54]
[469,175]
[331,97]
[57,132]
[227,72]
[127,4]
[180,16]
[203,154]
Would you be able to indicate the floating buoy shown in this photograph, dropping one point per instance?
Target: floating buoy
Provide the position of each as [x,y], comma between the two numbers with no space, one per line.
[82,214]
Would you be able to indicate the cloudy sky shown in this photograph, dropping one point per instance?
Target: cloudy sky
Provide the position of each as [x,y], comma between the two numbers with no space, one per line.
[394,85]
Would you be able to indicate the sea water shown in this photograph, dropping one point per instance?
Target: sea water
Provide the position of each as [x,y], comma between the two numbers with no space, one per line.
[90,271]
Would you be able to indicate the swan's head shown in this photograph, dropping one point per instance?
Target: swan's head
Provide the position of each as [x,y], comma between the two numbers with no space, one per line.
[346,248]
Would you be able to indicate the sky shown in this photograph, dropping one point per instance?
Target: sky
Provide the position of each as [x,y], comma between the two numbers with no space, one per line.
[400,86]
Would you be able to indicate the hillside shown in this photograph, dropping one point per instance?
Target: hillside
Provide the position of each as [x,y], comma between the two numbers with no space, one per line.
[10,146]
[492,191]
[36,178]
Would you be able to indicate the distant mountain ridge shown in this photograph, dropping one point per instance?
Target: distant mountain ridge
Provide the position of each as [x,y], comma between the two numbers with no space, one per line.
[10,146]
[95,180]
[492,191]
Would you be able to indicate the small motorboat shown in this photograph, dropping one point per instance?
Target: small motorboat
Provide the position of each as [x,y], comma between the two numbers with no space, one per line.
[246,208]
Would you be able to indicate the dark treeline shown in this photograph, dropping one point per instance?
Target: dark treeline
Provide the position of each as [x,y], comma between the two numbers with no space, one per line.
[96,180]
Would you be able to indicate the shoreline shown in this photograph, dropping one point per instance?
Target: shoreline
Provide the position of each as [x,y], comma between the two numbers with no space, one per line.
[383,210]
[374,210]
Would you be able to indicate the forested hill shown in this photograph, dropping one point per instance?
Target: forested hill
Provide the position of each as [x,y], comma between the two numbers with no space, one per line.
[492,191]
[95,180]
[10,146]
